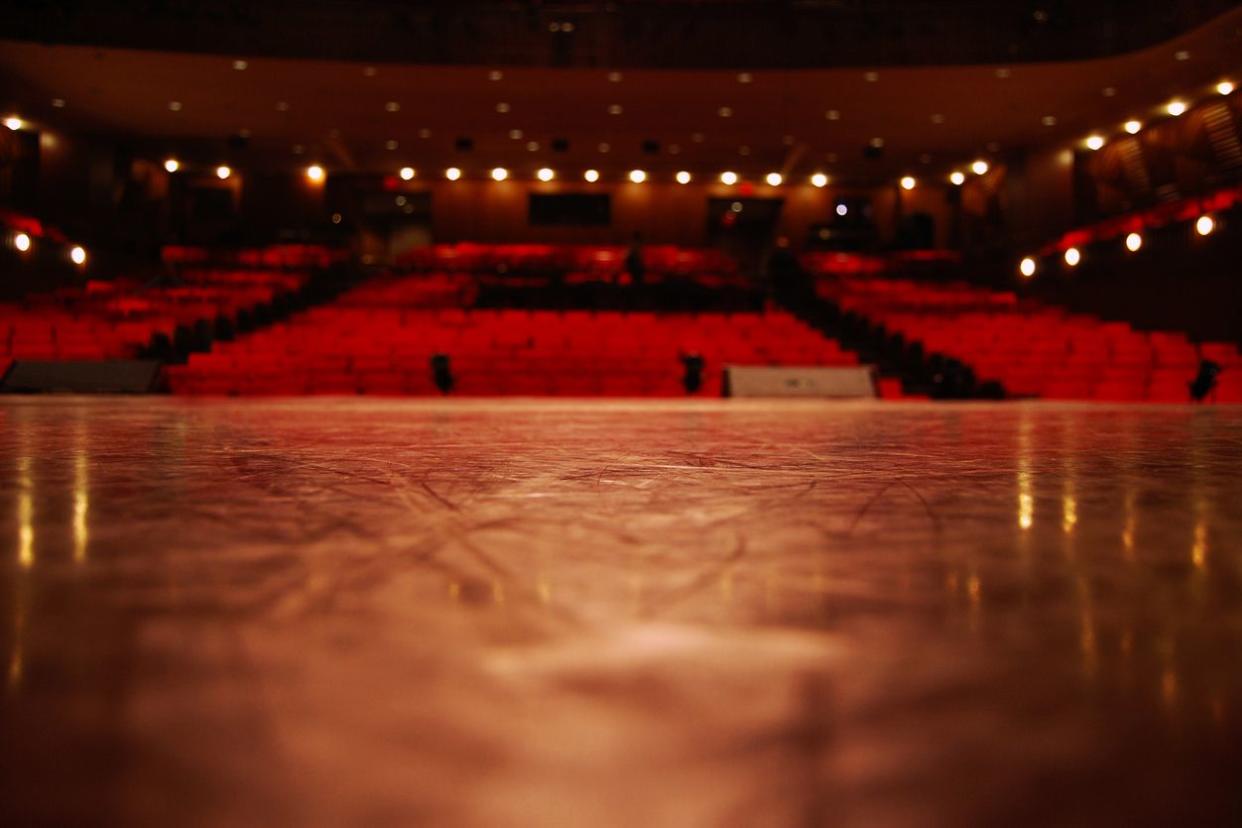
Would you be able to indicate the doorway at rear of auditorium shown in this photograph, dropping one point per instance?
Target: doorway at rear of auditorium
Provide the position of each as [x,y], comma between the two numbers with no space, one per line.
[744,228]
[393,224]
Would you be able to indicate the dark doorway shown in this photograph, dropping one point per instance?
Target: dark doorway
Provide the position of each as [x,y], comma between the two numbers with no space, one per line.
[743,227]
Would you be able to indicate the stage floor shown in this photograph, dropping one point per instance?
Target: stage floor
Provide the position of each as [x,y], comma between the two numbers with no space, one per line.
[492,613]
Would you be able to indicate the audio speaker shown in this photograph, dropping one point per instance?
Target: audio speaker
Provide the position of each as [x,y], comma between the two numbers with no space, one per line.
[854,382]
[109,376]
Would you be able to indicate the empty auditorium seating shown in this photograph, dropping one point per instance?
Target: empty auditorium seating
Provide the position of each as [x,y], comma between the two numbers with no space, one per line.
[1033,349]
[112,319]
[574,263]
[380,339]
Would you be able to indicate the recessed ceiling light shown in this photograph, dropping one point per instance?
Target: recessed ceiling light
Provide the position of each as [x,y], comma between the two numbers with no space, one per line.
[725,112]
[175,106]
[532,146]
[604,147]
[424,133]
[743,150]
[502,107]
[1108,91]
[171,165]
[615,109]
[22,242]
[298,149]
[697,137]
[979,166]
[58,103]
[515,134]
[1095,142]
[1048,120]
[1225,87]
[871,77]
[392,106]
[1175,108]
[1003,72]
[495,75]
[452,173]
[774,179]
[877,143]
[240,65]
[614,77]
[368,71]
[391,144]
[77,254]
[282,106]
[315,173]
[744,77]
[223,171]
[13,122]
[833,115]
[937,118]
[1181,54]
[1205,225]
[499,174]
[957,178]
[545,174]
[908,182]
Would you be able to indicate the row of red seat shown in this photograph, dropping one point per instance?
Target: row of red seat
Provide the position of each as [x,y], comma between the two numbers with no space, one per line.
[1035,350]
[114,319]
[381,337]
[660,260]
[295,256]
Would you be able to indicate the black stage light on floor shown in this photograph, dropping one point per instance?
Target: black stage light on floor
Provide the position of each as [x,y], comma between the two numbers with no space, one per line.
[693,379]
[1205,381]
[441,373]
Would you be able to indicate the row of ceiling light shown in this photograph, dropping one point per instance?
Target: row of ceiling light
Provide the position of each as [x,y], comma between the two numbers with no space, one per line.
[316,174]
[24,244]
[1175,108]
[1204,225]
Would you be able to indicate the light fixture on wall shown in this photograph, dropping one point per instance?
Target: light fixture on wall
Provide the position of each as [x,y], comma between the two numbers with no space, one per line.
[591,176]
[545,174]
[407,173]
[683,177]
[1027,267]
[1072,257]
[638,176]
[728,178]
[452,173]
[819,180]
[77,254]
[774,179]
[907,182]
[171,165]
[1134,242]
[223,172]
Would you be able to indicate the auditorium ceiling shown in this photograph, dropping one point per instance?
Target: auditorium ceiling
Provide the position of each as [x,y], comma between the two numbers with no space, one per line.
[862,125]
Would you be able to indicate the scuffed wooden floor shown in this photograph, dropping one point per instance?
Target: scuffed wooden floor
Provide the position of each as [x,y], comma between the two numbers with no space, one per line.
[331,612]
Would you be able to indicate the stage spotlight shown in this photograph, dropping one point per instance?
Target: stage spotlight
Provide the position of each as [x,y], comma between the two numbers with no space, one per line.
[171,165]
[223,172]
[1134,242]
[728,178]
[407,173]
[314,173]
[499,174]
[1133,127]
[1027,267]
[1225,87]
[957,178]
[1072,257]
[545,174]
[908,182]
[819,180]
[78,254]
[683,177]
[22,242]
[452,173]
[13,122]
[591,176]
[1094,142]
[774,179]
[638,176]
[979,167]
[1204,225]
[1175,108]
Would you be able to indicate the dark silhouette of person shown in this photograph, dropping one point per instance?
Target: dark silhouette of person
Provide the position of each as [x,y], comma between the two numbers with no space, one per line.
[634,264]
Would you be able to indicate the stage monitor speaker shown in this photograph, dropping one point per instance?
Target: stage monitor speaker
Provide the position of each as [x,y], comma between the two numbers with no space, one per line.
[110,376]
[854,382]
